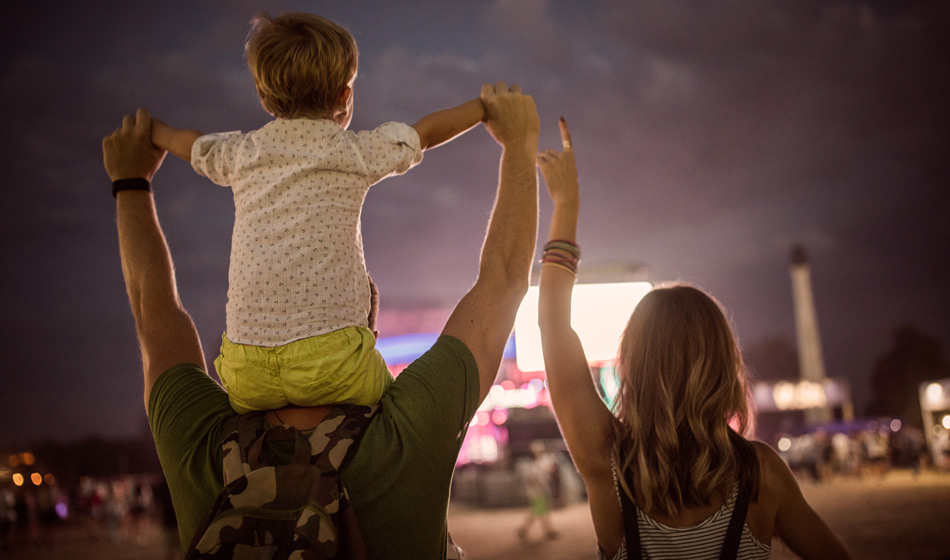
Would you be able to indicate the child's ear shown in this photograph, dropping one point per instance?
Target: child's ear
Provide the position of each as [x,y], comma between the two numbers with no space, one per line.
[344,99]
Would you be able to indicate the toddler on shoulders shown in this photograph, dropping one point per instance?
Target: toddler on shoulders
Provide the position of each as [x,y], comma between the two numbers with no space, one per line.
[298,294]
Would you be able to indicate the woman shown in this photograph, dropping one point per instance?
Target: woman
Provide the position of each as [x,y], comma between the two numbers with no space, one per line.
[666,473]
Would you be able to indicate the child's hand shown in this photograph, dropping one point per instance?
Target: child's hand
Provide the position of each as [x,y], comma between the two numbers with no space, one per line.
[178,141]
[559,168]
[161,134]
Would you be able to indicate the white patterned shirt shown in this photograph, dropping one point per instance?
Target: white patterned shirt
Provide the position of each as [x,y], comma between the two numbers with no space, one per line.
[297,268]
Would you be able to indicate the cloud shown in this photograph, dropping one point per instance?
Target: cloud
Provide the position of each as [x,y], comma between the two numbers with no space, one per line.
[399,84]
[709,138]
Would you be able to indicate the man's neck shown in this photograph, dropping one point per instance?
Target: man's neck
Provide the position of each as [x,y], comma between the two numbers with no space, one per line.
[301,418]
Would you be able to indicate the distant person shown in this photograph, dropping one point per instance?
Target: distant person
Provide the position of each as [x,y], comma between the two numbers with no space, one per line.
[875,443]
[7,517]
[843,455]
[538,476]
[296,328]
[665,474]
[399,475]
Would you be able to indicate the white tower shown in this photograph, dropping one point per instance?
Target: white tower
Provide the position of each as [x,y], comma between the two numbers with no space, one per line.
[811,364]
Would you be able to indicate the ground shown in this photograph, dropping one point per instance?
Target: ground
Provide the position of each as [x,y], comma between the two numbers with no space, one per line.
[897,516]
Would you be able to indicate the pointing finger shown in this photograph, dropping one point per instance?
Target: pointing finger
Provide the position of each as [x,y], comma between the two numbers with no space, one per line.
[565,134]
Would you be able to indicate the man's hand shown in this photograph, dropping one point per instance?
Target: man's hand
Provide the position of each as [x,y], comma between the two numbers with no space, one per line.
[510,116]
[128,152]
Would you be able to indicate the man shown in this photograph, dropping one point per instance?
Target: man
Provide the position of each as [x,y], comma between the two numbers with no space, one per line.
[400,474]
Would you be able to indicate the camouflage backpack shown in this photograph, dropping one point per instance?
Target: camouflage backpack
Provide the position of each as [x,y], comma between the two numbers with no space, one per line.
[297,510]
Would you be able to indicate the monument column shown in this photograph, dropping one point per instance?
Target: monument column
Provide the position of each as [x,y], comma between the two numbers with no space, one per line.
[811,364]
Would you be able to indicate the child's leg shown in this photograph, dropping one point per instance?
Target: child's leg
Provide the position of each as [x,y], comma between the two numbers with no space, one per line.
[250,376]
[338,367]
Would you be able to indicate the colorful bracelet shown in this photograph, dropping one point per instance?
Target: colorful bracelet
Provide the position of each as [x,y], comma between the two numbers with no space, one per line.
[564,245]
[563,254]
[566,242]
[135,184]
[562,266]
[557,259]
[565,263]
[560,254]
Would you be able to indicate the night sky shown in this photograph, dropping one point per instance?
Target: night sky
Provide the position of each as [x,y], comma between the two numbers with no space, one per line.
[710,138]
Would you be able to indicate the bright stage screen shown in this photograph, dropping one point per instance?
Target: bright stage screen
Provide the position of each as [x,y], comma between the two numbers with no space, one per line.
[599,314]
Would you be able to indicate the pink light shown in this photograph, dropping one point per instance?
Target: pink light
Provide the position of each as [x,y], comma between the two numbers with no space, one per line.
[499,416]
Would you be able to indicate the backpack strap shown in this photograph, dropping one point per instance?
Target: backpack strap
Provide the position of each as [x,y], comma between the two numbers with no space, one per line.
[330,444]
[631,531]
[339,431]
[730,548]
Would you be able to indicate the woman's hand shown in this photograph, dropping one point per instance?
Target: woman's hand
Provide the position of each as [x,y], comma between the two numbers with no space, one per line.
[559,169]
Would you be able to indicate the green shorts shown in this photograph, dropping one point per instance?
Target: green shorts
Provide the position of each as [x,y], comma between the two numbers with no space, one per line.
[342,366]
[540,505]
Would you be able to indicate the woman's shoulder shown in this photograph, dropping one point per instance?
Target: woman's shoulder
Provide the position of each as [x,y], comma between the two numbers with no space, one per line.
[763,509]
[764,451]
[771,464]
[775,478]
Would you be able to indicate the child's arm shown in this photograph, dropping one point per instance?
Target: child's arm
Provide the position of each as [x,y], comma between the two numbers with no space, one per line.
[441,126]
[178,141]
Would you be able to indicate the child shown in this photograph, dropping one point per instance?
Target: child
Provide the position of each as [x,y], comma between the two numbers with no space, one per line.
[298,292]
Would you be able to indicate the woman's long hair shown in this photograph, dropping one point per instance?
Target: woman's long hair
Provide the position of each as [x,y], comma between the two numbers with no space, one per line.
[682,382]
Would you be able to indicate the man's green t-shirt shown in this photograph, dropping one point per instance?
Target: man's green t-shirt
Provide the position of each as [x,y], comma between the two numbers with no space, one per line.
[398,478]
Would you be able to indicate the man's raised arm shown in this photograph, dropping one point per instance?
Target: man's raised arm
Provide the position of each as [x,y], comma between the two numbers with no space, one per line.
[167,335]
[484,317]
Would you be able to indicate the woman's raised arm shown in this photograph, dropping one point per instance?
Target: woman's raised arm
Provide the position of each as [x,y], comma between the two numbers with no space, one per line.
[584,419]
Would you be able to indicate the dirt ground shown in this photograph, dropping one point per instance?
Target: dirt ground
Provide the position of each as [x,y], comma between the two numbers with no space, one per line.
[895,517]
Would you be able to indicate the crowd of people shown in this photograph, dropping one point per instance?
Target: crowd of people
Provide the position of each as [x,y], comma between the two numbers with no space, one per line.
[132,509]
[821,454]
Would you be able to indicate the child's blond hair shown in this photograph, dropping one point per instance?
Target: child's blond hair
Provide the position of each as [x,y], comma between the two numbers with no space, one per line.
[300,63]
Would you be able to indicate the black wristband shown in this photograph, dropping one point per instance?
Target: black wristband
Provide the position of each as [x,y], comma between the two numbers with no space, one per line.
[136,184]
